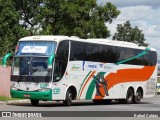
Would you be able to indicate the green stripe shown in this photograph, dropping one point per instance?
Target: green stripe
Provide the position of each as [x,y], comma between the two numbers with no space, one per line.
[33,95]
[137,56]
[4,60]
[83,83]
[91,88]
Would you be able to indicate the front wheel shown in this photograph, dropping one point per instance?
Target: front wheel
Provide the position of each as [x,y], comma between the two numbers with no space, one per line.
[34,102]
[138,96]
[68,100]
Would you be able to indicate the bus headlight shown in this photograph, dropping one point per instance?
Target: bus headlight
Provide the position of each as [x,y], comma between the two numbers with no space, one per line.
[13,88]
[44,90]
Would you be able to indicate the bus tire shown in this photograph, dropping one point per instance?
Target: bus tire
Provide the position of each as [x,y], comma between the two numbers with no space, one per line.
[68,99]
[138,96]
[129,96]
[34,102]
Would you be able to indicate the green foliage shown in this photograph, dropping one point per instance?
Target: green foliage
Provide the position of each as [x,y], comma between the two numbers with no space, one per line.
[82,18]
[30,12]
[10,30]
[77,18]
[126,33]
[158,80]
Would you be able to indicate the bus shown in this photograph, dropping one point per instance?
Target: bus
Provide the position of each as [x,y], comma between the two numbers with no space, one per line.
[63,68]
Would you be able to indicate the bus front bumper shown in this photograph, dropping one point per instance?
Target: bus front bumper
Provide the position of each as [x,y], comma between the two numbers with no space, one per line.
[47,95]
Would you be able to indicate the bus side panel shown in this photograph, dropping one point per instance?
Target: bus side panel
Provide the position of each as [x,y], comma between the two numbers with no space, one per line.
[116,83]
[129,76]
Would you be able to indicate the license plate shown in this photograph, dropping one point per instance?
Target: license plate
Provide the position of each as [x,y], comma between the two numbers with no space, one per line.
[26,95]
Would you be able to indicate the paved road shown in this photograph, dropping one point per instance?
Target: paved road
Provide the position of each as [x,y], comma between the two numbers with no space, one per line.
[149,104]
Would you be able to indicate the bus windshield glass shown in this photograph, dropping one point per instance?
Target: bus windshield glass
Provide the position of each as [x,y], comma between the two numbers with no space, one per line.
[30,62]
[35,48]
[31,69]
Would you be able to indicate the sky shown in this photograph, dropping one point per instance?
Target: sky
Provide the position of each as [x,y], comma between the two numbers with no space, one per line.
[142,13]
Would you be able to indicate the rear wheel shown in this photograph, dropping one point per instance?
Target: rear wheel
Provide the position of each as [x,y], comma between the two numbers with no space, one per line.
[138,96]
[34,102]
[129,97]
[68,100]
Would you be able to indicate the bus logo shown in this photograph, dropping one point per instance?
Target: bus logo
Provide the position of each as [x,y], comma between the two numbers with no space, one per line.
[75,67]
[101,65]
[100,82]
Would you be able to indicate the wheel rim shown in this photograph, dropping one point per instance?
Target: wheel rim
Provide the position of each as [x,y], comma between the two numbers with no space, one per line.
[70,97]
[130,97]
[139,95]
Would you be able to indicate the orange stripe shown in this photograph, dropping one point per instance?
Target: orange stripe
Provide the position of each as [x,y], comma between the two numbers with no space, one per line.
[87,82]
[127,75]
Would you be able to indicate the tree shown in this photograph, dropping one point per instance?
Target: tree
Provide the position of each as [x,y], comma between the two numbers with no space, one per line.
[10,30]
[126,33]
[83,18]
[31,14]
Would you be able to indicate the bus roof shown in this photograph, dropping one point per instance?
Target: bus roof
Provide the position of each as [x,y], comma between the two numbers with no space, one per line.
[59,38]
[43,38]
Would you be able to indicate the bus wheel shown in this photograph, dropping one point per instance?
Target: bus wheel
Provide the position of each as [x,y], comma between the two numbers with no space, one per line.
[34,102]
[68,100]
[129,96]
[138,96]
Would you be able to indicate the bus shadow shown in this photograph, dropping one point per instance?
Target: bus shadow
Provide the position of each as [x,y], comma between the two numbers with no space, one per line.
[74,104]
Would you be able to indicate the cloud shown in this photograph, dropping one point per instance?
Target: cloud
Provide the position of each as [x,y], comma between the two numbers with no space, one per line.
[142,13]
[139,13]
[146,18]
[134,13]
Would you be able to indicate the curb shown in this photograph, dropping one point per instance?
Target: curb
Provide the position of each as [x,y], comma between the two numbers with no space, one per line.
[14,101]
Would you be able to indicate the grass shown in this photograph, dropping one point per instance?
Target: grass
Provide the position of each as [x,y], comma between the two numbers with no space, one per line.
[158,80]
[3,98]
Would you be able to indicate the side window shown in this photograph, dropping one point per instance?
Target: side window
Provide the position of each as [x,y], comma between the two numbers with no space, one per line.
[96,53]
[77,51]
[130,53]
[110,54]
[61,60]
[115,53]
[88,52]
[152,58]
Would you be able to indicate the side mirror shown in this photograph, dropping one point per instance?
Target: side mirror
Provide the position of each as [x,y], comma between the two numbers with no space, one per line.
[50,60]
[4,60]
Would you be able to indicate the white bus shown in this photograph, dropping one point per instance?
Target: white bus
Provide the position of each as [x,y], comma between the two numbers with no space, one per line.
[62,68]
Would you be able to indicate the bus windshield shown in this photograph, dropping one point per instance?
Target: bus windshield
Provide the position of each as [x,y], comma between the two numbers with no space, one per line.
[35,48]
[31,69]
[30,62]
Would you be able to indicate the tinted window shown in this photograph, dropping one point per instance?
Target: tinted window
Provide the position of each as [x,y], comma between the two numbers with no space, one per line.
[61,60]
[89,48]
[110,54]
[152,58]
[77,51]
